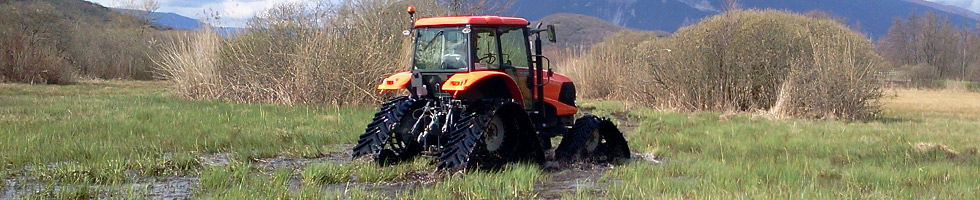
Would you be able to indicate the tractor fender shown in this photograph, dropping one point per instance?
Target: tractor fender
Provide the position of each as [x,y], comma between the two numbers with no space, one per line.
[396,81]
[462,81]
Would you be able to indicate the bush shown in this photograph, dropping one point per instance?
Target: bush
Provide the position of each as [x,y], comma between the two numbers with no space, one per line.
[922,72]
[973,86]
[929,84]
[784,64]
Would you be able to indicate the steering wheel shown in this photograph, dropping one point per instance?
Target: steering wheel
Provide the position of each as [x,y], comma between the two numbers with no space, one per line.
[452,61]
[488,58]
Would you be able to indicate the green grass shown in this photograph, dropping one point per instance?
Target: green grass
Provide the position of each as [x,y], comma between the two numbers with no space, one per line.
[516,181]
[753,157]
[239,181]
[96,133]
[948,85]
[93,131]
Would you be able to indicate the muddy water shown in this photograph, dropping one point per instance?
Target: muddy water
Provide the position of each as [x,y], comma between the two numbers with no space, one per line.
[173,188]
[571,179]
[176,187]
[562,179]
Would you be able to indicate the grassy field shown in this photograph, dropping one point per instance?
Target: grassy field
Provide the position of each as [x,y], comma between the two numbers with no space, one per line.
[96,139]
[102,132]
[925,146]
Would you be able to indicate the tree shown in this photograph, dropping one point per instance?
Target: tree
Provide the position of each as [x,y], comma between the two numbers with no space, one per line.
[477,7]
[144,7]
[931,41]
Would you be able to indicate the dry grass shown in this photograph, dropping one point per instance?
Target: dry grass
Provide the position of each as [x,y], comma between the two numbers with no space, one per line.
[191,65]
[933,102]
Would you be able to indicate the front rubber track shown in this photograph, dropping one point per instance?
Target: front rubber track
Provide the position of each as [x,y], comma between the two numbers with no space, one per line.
[387,137]
[593,138]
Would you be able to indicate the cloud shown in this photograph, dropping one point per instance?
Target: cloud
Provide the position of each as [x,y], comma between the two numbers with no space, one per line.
[973,5]
[702,5]
[233,13]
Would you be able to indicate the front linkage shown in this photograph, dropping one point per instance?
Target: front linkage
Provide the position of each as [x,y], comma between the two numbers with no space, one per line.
[487,133]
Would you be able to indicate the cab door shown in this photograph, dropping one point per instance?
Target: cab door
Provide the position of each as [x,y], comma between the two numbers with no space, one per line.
[516,58]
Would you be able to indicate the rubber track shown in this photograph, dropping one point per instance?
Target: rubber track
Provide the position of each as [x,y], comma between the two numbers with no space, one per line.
[612,144]
[615,145]
[465,140]
[572,145]
[379,131]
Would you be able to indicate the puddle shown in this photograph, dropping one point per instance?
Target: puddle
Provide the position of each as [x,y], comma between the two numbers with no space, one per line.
[215,159]
[9,189]
[173,188]
[392,189]
[649,158]
[571,179]
[298,163]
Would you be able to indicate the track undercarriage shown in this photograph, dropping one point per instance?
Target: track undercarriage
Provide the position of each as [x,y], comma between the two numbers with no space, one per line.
[485,134]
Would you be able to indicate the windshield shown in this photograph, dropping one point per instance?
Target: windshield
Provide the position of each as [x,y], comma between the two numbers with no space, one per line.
[441,49]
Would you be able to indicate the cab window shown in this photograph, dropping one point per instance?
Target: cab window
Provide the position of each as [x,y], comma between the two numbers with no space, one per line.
[515,47]
[486,49]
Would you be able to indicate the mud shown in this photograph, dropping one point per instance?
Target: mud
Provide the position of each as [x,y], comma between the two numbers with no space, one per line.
[296,163]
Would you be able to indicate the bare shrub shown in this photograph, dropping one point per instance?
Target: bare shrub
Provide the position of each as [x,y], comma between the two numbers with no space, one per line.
[301,54]
[618,51]
[783,64]
[113,52]
[29,44]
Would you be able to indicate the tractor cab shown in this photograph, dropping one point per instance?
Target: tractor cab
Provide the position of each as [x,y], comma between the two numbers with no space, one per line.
[489,45]
[473,43]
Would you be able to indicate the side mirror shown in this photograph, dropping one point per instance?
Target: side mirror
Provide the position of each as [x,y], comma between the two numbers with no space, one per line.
[551,34]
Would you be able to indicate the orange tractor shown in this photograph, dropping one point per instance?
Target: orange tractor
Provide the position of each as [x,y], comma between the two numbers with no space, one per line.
[479,97]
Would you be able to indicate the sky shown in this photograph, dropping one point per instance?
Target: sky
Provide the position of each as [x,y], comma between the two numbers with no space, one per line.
[973,5]
[232,13]
[235,13]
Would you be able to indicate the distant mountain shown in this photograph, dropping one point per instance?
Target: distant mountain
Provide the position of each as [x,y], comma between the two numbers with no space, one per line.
[948,8]
[575,30]
[874,17]
[180,22]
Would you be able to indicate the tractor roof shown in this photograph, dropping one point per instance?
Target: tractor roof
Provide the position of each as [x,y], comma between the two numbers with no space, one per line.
[471,20]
